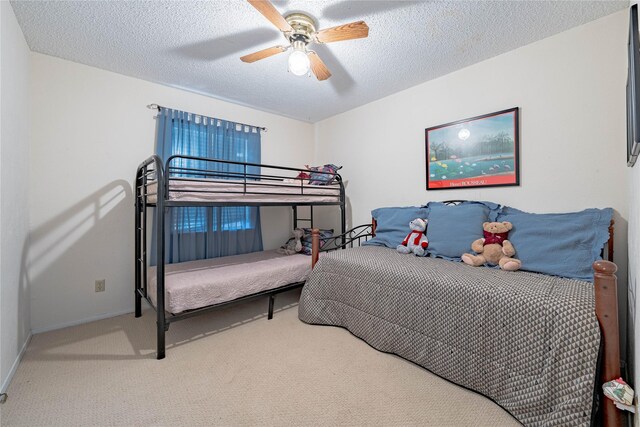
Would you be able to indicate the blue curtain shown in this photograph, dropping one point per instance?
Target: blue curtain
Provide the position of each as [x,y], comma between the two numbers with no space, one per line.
[208,232]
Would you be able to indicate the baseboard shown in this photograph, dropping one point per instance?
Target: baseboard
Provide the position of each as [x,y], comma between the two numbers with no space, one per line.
[14,367]
[79,322]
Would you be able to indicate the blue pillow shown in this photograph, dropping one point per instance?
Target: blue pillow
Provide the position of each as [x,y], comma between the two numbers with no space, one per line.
[452,229]
[564,244]
[393,224]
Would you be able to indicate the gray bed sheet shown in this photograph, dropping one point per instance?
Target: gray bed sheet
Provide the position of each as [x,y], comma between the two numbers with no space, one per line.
[527,341]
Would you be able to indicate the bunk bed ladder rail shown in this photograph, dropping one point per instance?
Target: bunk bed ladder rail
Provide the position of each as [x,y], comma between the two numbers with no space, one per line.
[139,183]
[142,194]
[140,244]
[344,235]
[296,219]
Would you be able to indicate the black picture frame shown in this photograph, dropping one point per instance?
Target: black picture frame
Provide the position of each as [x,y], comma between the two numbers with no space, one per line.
[633,81]
[493,161]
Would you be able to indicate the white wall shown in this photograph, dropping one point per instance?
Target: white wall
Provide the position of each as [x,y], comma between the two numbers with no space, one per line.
[14,190]
[571,92]
[91,129]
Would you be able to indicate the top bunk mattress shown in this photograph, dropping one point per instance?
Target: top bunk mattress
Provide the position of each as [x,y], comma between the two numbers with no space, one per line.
[196,284]
[203,190]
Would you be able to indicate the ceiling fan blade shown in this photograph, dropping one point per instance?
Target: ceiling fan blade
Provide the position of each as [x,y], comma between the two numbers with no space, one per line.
[317,66]
[271,13]
[262,54]
[354,30]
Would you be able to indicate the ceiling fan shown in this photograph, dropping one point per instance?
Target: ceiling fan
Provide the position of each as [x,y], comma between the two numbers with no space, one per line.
[300,30]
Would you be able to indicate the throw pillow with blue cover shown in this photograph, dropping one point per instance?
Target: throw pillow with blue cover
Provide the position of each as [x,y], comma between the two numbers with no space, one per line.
[563,244]
[306,240]
[452,228]
[393,224]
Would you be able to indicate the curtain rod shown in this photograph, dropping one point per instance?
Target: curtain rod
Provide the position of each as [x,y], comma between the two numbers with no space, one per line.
[159,107]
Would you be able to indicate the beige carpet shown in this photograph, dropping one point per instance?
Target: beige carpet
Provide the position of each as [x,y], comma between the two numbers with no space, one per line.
[231,367]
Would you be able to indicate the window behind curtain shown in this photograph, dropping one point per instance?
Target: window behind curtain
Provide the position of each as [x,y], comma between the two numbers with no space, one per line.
[201,219]
[196,220]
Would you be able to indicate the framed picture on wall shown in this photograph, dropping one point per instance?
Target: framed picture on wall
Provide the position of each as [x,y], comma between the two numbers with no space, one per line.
[477,152]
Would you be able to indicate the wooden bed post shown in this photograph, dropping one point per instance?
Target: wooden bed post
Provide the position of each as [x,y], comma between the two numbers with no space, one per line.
[315,246]
[374,224]
[605,283]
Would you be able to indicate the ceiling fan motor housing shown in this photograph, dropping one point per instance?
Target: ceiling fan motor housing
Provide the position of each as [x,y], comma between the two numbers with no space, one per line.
[300,30]
[304,28]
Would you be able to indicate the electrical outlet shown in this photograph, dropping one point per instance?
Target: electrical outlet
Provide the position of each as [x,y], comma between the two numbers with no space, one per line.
[100,284]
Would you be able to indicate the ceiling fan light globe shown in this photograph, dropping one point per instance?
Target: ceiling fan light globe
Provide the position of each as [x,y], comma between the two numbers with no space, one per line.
[299,63]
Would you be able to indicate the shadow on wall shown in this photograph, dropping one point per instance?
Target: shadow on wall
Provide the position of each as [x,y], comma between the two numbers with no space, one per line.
[93,239]
[66,254]
[24,299]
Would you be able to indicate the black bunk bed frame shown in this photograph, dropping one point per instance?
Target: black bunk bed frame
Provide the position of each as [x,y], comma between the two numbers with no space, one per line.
[152,171]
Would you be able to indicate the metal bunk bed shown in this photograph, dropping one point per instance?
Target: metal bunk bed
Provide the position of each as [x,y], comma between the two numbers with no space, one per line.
[160,187]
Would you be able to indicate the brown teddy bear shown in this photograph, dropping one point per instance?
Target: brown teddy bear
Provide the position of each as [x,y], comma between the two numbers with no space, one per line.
[494,248]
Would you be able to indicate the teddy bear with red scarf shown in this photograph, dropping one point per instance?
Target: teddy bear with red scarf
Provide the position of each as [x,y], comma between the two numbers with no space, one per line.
[416,241]
[494,248]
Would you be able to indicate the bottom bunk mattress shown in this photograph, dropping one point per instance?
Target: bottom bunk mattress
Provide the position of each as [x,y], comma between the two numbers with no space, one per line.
[196,284]
[527,341]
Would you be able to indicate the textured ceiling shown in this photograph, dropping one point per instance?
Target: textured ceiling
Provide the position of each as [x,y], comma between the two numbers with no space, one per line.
[197,45]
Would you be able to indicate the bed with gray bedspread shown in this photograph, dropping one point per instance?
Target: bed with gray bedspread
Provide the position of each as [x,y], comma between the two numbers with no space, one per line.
[527,341]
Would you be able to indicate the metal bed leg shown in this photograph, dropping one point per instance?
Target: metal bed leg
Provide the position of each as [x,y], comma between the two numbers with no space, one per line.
[271,301]
[161,342]
[160,223]
[138,305]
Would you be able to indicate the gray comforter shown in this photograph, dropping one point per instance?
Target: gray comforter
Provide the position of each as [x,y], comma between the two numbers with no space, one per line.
[527,341]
